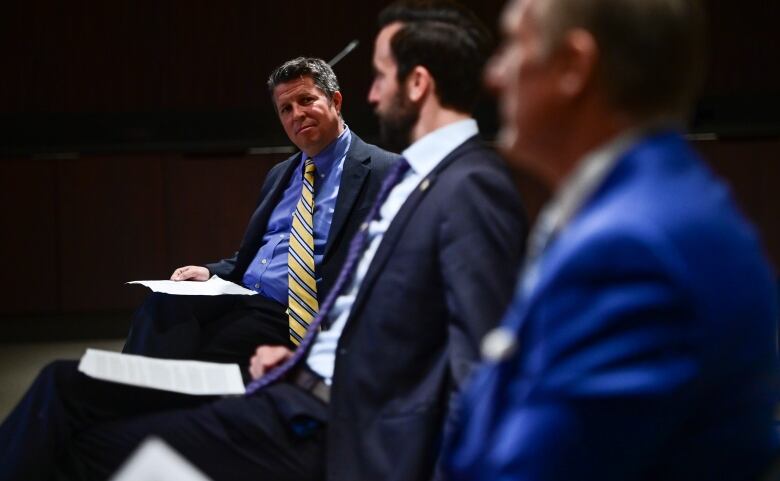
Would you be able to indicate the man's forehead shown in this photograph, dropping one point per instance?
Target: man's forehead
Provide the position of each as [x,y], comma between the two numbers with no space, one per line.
[382,44]
[293,86]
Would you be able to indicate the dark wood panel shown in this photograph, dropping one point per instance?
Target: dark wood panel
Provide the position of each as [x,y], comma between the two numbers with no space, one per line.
[112,230]
[737,33]
[83,227]
[87,225]
[752,169]
[208,202]
[30,277]
[136,55]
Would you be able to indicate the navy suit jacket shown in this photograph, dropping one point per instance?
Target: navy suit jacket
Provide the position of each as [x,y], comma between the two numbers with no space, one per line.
[441,277]
[364,168]
[646,347]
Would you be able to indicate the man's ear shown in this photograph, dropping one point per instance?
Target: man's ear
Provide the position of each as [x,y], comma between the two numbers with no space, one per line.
[419,83]
[577,57]
[336,99]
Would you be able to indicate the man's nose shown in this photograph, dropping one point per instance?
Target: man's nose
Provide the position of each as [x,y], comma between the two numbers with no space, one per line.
[373,97]
[297,111]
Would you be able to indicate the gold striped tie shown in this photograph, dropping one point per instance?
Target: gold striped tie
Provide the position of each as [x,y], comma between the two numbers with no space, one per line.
[302,284]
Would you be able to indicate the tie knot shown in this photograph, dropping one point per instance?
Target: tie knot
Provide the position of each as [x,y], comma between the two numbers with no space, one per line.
[308,166]
[393,177]
[403,165]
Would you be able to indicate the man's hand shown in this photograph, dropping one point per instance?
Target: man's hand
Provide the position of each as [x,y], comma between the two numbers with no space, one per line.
[190,273]
[266,358]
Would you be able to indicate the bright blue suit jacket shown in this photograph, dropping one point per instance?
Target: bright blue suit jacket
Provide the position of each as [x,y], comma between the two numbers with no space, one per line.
[646,348]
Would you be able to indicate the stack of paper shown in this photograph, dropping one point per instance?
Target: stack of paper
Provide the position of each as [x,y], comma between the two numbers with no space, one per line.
[188,377]
[215,286]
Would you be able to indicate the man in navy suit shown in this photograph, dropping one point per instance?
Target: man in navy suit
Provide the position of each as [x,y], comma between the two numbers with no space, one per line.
[371,396]
[641,341]
[305,93]
[440,263]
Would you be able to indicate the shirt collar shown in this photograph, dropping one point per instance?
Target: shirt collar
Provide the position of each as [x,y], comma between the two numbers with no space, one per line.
[330,155]
[425,154]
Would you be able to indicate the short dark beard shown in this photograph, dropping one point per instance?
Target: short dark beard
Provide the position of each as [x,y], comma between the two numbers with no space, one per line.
[395,125]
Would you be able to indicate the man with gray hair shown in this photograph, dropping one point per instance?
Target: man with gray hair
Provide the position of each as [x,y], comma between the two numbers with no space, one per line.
[642,340]
[347,174]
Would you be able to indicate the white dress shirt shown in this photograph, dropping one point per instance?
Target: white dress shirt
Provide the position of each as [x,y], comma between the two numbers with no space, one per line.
[423,156]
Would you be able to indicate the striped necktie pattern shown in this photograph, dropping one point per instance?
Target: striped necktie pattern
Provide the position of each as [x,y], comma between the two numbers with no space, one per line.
[301,280]
[355,253]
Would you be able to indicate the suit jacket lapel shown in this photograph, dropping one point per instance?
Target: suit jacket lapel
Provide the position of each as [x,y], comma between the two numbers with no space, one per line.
[397,226]
[269,203]
[259,219]
[356,169]
[393,234]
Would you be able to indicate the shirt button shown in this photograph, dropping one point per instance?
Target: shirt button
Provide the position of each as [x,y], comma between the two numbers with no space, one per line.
[281,236]
[257,285]
[264,261]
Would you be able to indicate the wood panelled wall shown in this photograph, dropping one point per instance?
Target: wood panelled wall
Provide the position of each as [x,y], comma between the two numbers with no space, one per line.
[84,75]
[752,169]
[75,230]
[76,227]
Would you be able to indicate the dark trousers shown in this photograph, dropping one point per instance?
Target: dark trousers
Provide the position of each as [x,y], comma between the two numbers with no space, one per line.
[70,426]
[208,328]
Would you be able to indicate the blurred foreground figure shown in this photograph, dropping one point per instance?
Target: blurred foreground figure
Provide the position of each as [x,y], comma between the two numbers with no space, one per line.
[641,341]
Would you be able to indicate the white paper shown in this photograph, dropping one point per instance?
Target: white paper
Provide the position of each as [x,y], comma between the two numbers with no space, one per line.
[188,377]
[215,286]
[154,460]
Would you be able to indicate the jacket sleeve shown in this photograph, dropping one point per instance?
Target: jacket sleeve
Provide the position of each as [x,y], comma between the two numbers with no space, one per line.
[225,268]
[600,381]
[482,240]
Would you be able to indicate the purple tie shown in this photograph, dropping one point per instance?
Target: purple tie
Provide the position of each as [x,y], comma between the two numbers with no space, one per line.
[356,248]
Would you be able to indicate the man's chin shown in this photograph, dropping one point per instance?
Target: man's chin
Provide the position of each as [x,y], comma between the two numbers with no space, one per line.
[306,137]
[306,130]
[306,144]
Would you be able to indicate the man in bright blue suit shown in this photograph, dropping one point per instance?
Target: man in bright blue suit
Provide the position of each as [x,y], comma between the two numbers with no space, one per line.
[641,341]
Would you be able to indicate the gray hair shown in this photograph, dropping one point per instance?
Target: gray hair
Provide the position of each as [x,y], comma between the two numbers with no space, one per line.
[316,68]
[651,52]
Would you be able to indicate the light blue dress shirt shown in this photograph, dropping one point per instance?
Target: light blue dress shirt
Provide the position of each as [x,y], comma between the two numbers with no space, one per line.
[267,273]
[423,156]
